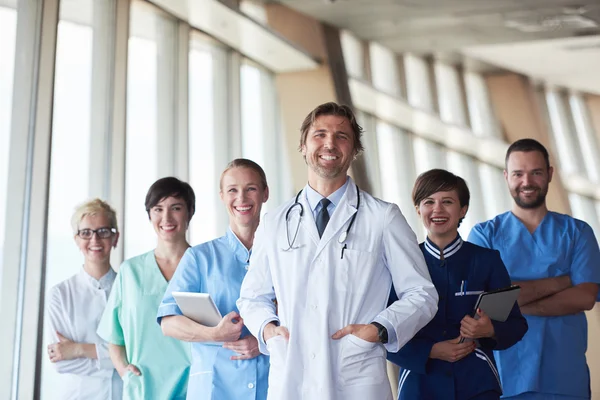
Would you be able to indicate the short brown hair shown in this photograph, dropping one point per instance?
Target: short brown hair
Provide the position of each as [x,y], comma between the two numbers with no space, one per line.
[171,187]
[245,163]
[440,180]
[339,110]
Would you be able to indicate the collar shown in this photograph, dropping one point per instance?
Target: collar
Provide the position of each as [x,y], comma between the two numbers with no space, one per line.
[313,197]
[448,251]
[240,251]
[104,283]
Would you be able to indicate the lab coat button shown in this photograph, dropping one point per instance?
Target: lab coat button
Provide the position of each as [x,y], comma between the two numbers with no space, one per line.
[251,386]
[313,355]
[314,306]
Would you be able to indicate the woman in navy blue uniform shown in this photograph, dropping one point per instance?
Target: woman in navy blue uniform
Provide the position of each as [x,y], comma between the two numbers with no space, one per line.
[434,365]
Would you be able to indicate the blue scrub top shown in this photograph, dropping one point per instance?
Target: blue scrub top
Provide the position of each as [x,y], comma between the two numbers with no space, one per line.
[551,357]
[218,268]
[460,272]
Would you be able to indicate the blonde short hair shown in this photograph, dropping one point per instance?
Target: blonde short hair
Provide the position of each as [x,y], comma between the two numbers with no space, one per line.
[93,207]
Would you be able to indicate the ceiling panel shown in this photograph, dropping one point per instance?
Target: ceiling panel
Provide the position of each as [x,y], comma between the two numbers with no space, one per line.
[426,26]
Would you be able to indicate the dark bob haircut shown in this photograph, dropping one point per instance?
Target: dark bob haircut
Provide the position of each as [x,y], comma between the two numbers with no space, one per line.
[338,110]
[527,145]
[440,180]
[171,187]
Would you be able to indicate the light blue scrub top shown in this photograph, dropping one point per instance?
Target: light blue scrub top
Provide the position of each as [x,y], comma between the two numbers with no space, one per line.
[550,359]
[218,268]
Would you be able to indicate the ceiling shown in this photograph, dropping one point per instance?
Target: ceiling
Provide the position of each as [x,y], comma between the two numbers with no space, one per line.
[568,62]
[431,26]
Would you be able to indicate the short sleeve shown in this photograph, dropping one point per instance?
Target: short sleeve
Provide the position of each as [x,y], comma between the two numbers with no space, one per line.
[480,237]
[186,279]
[585,267]
[110,328]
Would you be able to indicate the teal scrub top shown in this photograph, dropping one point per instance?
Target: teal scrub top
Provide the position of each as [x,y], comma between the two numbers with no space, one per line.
[130,320]
[550,359]
[217,267]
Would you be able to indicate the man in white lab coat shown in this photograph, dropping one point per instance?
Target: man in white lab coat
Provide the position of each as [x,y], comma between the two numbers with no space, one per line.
[329,257]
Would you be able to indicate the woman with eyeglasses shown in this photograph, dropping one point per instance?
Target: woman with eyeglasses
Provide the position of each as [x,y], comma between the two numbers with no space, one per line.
[234,370]
[152,366]
[75,305]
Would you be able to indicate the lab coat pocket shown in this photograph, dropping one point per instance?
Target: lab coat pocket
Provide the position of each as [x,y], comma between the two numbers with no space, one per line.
[277,347]
[354,272]
[361,362]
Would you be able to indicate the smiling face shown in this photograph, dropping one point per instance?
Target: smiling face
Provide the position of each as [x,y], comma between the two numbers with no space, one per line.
[441,213]
[170,219]
[329,147]
[528,176]
[243,194]
[96,250]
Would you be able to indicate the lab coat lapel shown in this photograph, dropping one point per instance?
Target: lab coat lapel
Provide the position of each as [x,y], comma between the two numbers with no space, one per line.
[341,216]
[308,224]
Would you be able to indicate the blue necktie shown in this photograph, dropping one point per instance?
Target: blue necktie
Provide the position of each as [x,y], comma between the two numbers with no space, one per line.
[323,216]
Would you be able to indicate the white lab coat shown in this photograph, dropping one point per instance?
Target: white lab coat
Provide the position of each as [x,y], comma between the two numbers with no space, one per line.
[319,293]
[74,308]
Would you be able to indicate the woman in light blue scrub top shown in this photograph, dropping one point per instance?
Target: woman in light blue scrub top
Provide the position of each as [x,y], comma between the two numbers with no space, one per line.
[236,369]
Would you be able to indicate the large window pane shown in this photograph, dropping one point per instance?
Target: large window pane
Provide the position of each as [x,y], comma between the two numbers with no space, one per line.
[397,171]
[70,161]
[204,176]
[428,155]
[261,141]
[151,110]
[8,33]
[584,209]
[465,167]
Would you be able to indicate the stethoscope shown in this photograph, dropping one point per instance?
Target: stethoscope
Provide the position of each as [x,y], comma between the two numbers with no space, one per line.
[341,239]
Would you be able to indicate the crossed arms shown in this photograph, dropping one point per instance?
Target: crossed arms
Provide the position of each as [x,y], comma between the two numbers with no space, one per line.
[553,297]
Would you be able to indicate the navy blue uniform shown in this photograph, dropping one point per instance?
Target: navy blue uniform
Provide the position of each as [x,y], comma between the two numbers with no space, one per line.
[460,275]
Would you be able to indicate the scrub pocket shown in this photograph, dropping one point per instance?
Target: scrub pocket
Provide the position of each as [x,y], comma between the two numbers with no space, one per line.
[277,347]
[361,362]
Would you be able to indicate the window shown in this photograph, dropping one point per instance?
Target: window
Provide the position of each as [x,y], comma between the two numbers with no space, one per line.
[465,167]
[354,58]
[204,176]
[428,155]
[151,110]
[565,139]
[497,199]
[261,141]
[70,165]
[8,33]
[384,69]
[584,209]
[397,172]
[450,94]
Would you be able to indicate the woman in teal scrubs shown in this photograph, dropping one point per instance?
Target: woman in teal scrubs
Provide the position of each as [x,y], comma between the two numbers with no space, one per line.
[235,370]
[152,366]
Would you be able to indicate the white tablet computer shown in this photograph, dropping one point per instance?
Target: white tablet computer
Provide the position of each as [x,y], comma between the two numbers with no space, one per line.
[198,307]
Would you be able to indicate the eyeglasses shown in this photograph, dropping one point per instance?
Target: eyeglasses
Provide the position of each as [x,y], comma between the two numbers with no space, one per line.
[103,233]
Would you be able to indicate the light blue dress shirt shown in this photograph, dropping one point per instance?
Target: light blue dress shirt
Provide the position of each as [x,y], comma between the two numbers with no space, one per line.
[550,359]
[313,197]
[218,268]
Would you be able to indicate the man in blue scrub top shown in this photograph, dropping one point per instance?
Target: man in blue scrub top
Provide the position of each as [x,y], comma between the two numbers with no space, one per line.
[555,259]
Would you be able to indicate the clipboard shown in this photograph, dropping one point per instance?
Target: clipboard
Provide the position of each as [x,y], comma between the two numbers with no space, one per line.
[497,304]
[199,307]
